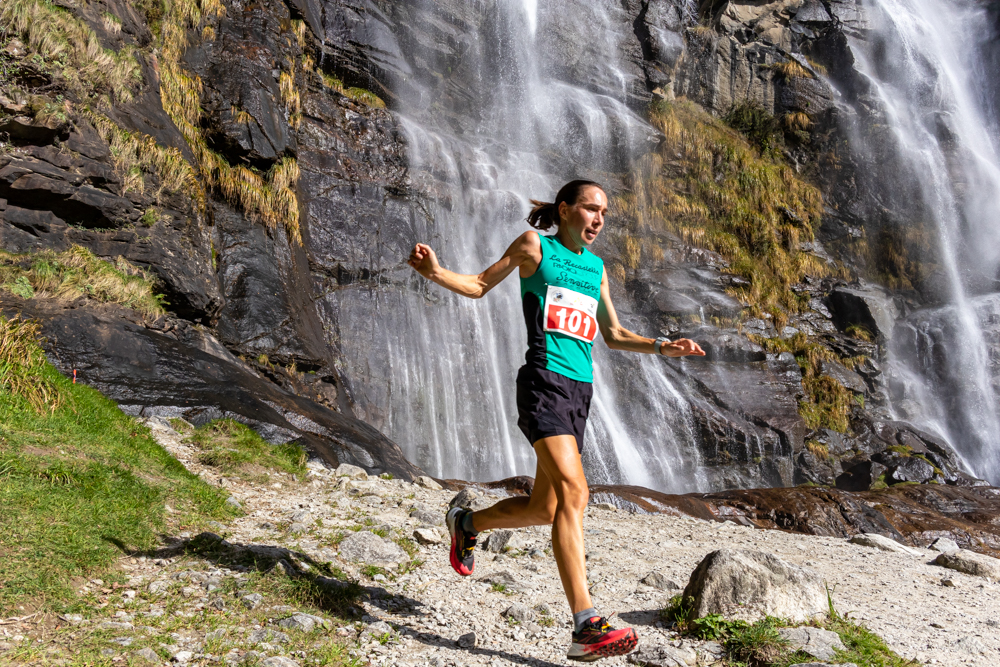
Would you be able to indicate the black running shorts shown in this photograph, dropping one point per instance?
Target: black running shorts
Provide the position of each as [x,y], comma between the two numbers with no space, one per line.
[551,404]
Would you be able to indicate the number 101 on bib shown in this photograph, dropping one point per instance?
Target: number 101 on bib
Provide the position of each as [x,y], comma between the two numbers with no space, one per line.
[571,313]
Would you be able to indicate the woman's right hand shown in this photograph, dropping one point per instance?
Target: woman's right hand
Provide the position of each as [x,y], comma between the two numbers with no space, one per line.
[423,260]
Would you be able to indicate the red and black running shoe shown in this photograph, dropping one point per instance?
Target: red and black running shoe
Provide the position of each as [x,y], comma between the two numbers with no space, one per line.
[597,639]
[462,543]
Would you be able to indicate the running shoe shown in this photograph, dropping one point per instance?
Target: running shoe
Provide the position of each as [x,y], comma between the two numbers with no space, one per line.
[597,639]
[462,543]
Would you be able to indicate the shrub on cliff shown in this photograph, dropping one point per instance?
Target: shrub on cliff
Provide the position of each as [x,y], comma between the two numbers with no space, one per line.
[709,186]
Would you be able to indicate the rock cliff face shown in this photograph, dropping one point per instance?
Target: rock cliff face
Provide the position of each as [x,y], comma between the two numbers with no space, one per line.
[261,309]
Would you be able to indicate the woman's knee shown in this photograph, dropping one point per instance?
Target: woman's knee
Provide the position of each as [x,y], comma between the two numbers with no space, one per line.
[573,496]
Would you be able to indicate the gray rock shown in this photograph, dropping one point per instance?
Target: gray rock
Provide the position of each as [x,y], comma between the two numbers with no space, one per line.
[508,580]
[300,621]
[543,609]
[664,656]
[428,517]
[813,12]
[427,483]
[876,541]
[267,635]
[302,516]
[944,545]
[279,661]
[468,640]
[115,625]
[351,472]
[427,536]
[216,634]
[471,500]
[710,653]
[754,584]
[497,540]
[972,563]
[658,580]
[231,500]
[971,645]
[182,657]
[297,528]
[844,376]
[376,630]
[147,655]
[367,547]
[816,642]
[519,613]
[825,664]
[252,601]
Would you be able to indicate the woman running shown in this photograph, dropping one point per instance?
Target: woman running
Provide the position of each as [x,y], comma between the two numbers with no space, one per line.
[566,300]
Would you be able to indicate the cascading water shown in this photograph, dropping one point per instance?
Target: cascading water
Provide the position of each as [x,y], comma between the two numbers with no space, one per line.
[445,366]
[923,59]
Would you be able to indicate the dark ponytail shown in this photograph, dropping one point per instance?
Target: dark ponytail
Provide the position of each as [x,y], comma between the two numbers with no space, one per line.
[545,215]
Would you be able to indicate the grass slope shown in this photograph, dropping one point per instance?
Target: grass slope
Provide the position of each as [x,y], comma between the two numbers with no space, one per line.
[79,479]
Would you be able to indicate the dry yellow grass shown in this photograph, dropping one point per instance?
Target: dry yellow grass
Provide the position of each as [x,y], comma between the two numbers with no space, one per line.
[77,273]
[709,186]
[791,70]
[357,94]
[267,197]
[21,364]
[72,48]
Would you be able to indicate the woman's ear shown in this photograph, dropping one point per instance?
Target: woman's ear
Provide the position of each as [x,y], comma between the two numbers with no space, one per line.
[563,210]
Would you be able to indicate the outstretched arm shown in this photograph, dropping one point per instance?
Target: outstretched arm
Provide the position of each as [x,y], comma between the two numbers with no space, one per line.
[525,251]
[618,337]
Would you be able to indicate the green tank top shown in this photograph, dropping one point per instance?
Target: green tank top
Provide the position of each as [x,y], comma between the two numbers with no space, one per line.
[560,310]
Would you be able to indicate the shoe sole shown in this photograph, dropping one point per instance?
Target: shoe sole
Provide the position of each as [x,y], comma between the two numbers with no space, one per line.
[621,646]
[451,519]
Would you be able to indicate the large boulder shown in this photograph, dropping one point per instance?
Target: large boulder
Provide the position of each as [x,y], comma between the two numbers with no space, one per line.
[972,563]
[753,584]
[866,307]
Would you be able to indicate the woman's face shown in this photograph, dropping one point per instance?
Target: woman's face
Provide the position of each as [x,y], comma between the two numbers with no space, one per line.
[584,220]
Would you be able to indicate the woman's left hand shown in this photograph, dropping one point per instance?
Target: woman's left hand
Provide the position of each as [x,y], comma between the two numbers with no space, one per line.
[682,347]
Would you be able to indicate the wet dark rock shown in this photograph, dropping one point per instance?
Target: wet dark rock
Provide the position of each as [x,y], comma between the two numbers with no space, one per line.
[860,477]
[149,373]
[869,308]
[848,378]
[912,469]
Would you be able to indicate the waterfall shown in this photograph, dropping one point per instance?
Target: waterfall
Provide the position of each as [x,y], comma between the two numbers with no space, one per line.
[443,367]
[923,60]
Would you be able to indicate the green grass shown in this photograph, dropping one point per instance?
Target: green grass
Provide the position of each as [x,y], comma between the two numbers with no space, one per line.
[827,403]
[79,273]
[236,449]
[79,479]
[758,644]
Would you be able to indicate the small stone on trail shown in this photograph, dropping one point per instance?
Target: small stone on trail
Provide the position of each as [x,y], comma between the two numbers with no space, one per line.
[252,600]
[816,642]
[497,540]
[949,582]
[182,657]
[231,500]
[148,655]
[267,635]
[367,547]
[467,640]
[279,661]
[427,536]
[519,613]
[664,656]
[427,483]
[605,506]
[351,472]
[944,545]
[297,528]
[658,580]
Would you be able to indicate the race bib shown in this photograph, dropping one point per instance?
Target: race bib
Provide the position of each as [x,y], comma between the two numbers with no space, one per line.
[571,313]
